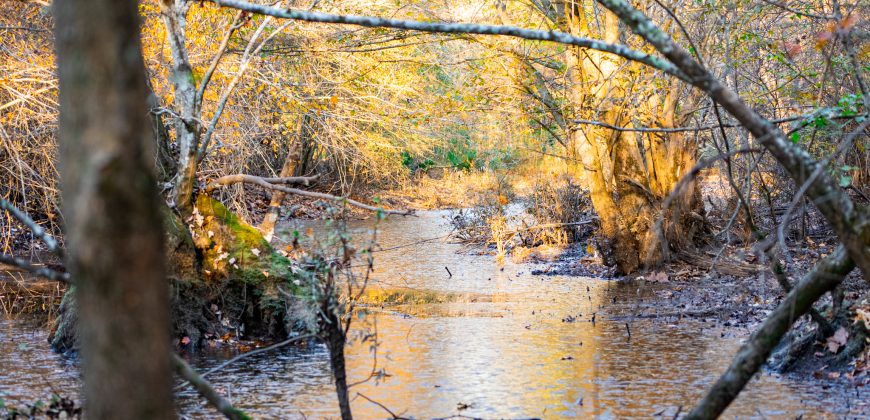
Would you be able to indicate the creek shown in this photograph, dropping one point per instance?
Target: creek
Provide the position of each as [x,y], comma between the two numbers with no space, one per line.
[498,343]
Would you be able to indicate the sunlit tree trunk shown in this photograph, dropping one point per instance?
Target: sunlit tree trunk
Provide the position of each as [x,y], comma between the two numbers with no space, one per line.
[110,203]
[628,175]
[187,123]
[291,163]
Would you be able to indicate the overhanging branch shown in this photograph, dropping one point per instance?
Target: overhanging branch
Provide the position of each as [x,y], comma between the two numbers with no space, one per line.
[458,28]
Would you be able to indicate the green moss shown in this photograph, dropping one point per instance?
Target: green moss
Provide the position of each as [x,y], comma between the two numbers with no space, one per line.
[63,331]
[234,249]
[221,270]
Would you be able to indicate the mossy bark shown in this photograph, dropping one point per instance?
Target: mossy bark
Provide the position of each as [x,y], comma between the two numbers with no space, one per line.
[223,277]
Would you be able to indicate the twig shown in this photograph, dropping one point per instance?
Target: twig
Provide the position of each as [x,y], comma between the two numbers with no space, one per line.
[39,271]
[395,416]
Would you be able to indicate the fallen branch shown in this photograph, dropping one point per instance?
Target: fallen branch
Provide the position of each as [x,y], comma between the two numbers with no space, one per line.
[826,275]
[37,230]
[240,178]
[264,182]
[206,390]
[36,270]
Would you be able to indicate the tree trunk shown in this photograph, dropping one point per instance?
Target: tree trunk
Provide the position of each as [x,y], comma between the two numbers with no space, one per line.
[291,164]
[629,176]
[335,341]
[115,254]
[187,125]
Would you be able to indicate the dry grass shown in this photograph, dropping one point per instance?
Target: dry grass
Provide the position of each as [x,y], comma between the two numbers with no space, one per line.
[28,117]
[451,189]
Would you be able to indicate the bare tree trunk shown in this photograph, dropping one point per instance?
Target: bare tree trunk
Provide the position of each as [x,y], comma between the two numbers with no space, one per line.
[188,125]
[628,183]
[291,163]
[335,341]
[113,225]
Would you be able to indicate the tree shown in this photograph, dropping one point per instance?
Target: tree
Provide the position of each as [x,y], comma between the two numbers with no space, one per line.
[630,173]
[110,208]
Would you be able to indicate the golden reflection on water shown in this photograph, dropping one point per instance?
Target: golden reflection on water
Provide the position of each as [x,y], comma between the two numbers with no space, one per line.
[515,356]
[489,337]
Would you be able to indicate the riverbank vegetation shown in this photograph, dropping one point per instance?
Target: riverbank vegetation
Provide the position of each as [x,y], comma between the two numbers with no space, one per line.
[158,145]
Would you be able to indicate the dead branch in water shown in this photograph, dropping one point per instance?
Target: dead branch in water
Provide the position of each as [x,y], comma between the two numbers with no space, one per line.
[272,185]
[206,390]
[826,275]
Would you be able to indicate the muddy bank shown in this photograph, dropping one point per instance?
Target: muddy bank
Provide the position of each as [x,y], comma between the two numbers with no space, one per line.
[734,305]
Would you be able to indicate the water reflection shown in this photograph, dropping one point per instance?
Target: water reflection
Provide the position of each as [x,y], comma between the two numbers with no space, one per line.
[506,344]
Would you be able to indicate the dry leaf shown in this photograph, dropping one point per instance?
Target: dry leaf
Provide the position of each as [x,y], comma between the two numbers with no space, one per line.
[255,251]
[659,277]
[862,314]
[792,48]
[837,340]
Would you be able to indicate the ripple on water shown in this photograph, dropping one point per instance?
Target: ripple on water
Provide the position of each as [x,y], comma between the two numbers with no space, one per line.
[505,353]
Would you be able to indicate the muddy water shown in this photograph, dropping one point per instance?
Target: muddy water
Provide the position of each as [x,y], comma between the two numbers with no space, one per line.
[506,344]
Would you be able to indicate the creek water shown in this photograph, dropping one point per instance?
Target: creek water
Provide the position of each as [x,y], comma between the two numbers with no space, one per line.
[506,344]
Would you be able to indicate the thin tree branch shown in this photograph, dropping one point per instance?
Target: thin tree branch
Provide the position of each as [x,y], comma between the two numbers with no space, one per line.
[458,28]
[251,179]
[206,390]
[36,270]
[206,78]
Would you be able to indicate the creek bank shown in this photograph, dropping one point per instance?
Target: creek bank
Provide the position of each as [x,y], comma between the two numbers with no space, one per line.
[735,304]
[226,280]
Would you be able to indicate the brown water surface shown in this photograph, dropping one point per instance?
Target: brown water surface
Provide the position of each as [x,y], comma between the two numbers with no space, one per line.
[494,343]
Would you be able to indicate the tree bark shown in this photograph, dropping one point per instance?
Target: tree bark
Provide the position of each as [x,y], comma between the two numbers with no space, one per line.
[111,211]
[291,163]
[188,125]
[628,183]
